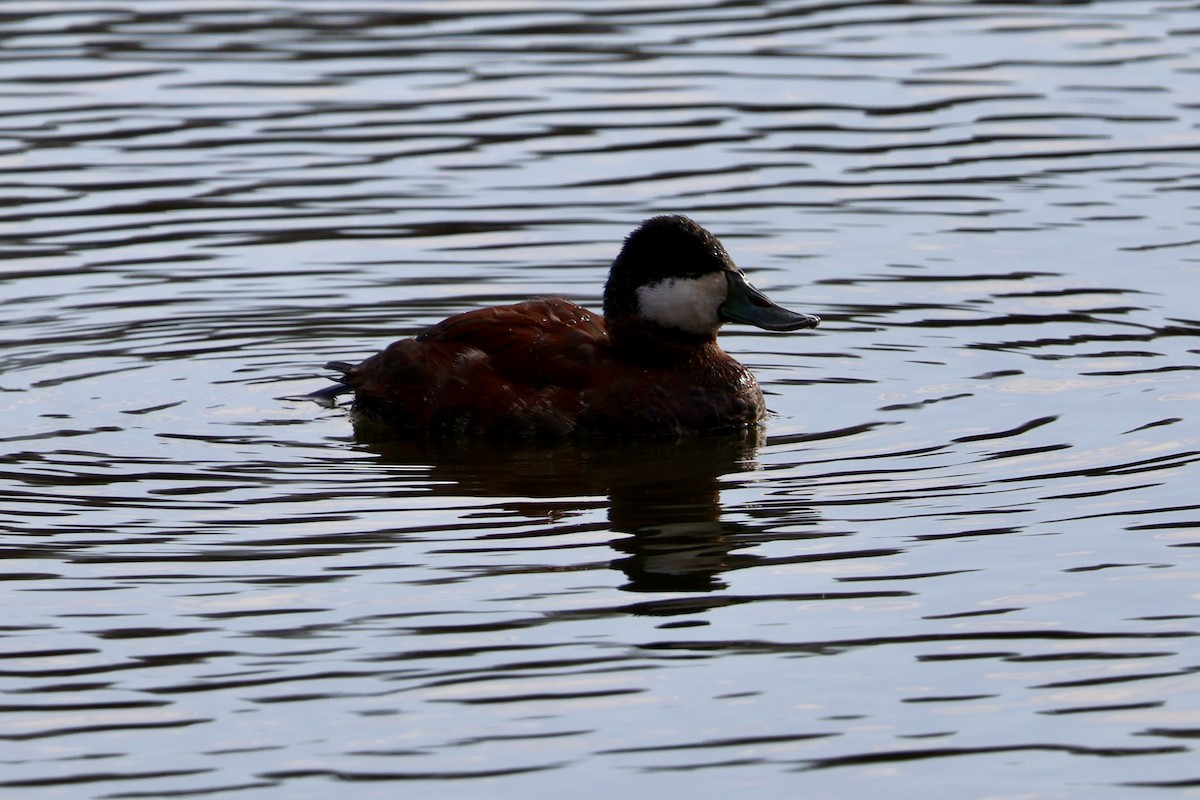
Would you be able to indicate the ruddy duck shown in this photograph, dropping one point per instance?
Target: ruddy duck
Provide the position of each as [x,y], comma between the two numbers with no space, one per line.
[650,367]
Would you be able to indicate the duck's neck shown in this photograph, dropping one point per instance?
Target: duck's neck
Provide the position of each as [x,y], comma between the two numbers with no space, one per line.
[639,340]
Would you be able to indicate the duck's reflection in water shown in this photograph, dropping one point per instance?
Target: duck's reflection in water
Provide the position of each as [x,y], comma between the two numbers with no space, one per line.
[665,495]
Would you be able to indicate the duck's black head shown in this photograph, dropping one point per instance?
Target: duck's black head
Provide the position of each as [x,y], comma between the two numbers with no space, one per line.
[675,274]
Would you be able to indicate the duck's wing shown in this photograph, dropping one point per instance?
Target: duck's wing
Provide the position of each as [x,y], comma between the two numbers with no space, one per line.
[550,342]
[519,369]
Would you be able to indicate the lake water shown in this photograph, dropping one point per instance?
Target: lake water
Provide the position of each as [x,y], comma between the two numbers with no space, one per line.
[963,561]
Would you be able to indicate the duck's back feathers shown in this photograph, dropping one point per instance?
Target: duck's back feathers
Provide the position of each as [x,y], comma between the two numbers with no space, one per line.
[508,369]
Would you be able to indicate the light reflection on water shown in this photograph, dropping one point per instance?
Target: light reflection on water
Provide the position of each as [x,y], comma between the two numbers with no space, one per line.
[965,543]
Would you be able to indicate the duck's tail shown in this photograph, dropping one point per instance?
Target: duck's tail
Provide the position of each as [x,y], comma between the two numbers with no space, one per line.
[329,395]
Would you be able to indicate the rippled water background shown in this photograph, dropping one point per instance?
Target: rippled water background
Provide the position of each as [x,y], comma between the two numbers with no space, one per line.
[963,563]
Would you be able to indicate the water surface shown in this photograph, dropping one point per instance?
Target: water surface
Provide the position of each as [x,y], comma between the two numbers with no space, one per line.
[960,561]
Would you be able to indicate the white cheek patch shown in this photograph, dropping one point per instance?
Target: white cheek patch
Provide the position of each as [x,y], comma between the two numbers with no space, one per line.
[687,304]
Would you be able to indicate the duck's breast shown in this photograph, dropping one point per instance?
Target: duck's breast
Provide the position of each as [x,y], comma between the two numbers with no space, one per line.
[708,392]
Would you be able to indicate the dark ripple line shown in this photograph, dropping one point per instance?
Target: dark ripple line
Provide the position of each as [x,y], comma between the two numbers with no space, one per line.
[1163,246]
[1078,64]
[89,706]
[346,775]
[1017,431]
[891,756]
[968,141]
[838,433]
[1147,371]
[540,696]
[1105,681]
[723,764]
[1088,655]
[518,737]
[159,794]
[1173,733]
[56,653]
[1105,709]
[1167,526]
[906,577]
[1132,513]
[94,75]
[84,729]
[834,646]
[924,107]
[740,741]
[949,698]
[1185,783]
[971,533]
[99,777]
